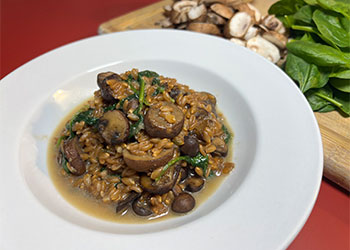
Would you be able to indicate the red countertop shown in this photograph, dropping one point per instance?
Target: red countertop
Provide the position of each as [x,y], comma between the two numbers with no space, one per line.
[31,28]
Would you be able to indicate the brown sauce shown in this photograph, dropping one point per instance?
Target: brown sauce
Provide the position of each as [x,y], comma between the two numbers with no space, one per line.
[96,207]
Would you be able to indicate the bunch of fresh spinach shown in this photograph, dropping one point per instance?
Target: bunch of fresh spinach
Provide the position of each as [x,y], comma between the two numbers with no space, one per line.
[319,54]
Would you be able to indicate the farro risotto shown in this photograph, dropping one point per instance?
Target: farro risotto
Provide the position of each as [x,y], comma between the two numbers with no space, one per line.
[145,146]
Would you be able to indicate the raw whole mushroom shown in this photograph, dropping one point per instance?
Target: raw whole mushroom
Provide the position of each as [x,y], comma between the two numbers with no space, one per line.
[237,20]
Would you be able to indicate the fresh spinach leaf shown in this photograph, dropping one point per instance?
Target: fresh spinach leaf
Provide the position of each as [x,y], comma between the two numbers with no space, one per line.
[285,7]
[329,25]
[307,75]
[304,14]
[344,99]
[148,73]
[311,2]
[318,54]
[319,98]
[327,108]
[341,84]
[341,73]
[340,6]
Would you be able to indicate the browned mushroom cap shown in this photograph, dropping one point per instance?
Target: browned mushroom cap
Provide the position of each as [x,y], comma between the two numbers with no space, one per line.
[191,146]
[221,146]
[157,126]
[103,81]
[142,205]
[131,106]
[72,150]
[206,28]
[125,201]
[164,184]
[183,203]
[144,163]
[194,184]
[114,127]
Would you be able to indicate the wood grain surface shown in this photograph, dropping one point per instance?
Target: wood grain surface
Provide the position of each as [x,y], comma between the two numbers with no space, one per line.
[335,129]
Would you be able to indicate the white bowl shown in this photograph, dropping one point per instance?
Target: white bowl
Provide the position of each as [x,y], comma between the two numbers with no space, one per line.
[277,146]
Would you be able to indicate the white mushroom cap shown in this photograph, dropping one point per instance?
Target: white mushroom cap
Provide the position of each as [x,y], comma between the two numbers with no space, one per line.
[197,11]
[222,10]
[238,41]
[276,38]
[251,32]
[264,48]
[238,25]
[251,10]
[184,6]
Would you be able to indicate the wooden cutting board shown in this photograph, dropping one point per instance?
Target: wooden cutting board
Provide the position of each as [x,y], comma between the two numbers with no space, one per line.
[335,129]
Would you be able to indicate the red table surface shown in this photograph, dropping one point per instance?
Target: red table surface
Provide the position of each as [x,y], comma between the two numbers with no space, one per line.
[31,28]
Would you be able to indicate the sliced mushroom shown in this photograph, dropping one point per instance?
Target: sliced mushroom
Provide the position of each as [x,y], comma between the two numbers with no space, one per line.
[251,32]
[131,106]
[183,174]
[164,184]
[72,150]
[215,19]
[183,203]
[114,127]
[142,205]
[221,146]
[197,12]
[238,25]
[206,28]
[157,126]
[194,184]
[238,41]
[174,92]
[167,10]
[251,10]
[125,201]
[264,48]
[222,10]
[178,17]
[274,24]
[191,146]
[103,81]
[147,162]
[276,38]
[165,23]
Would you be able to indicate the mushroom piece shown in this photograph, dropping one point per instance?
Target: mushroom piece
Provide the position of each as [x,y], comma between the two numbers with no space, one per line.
[131,106]
[251,32]
[215,19]
[206,28]
[158,126]
[276,38]
[222,10]
[165,23]
[238,25]
[71,150]
[197,12]
[251,10]
[143,163]
[274,24]
[180,10]
[183,174]
[167,10]
[114,127]
[125,201]
[194,184]
[183,203]
[103,81]
[164,184]
[238,41]
[221,146]
[264,48]
[190,146]
[142,205]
